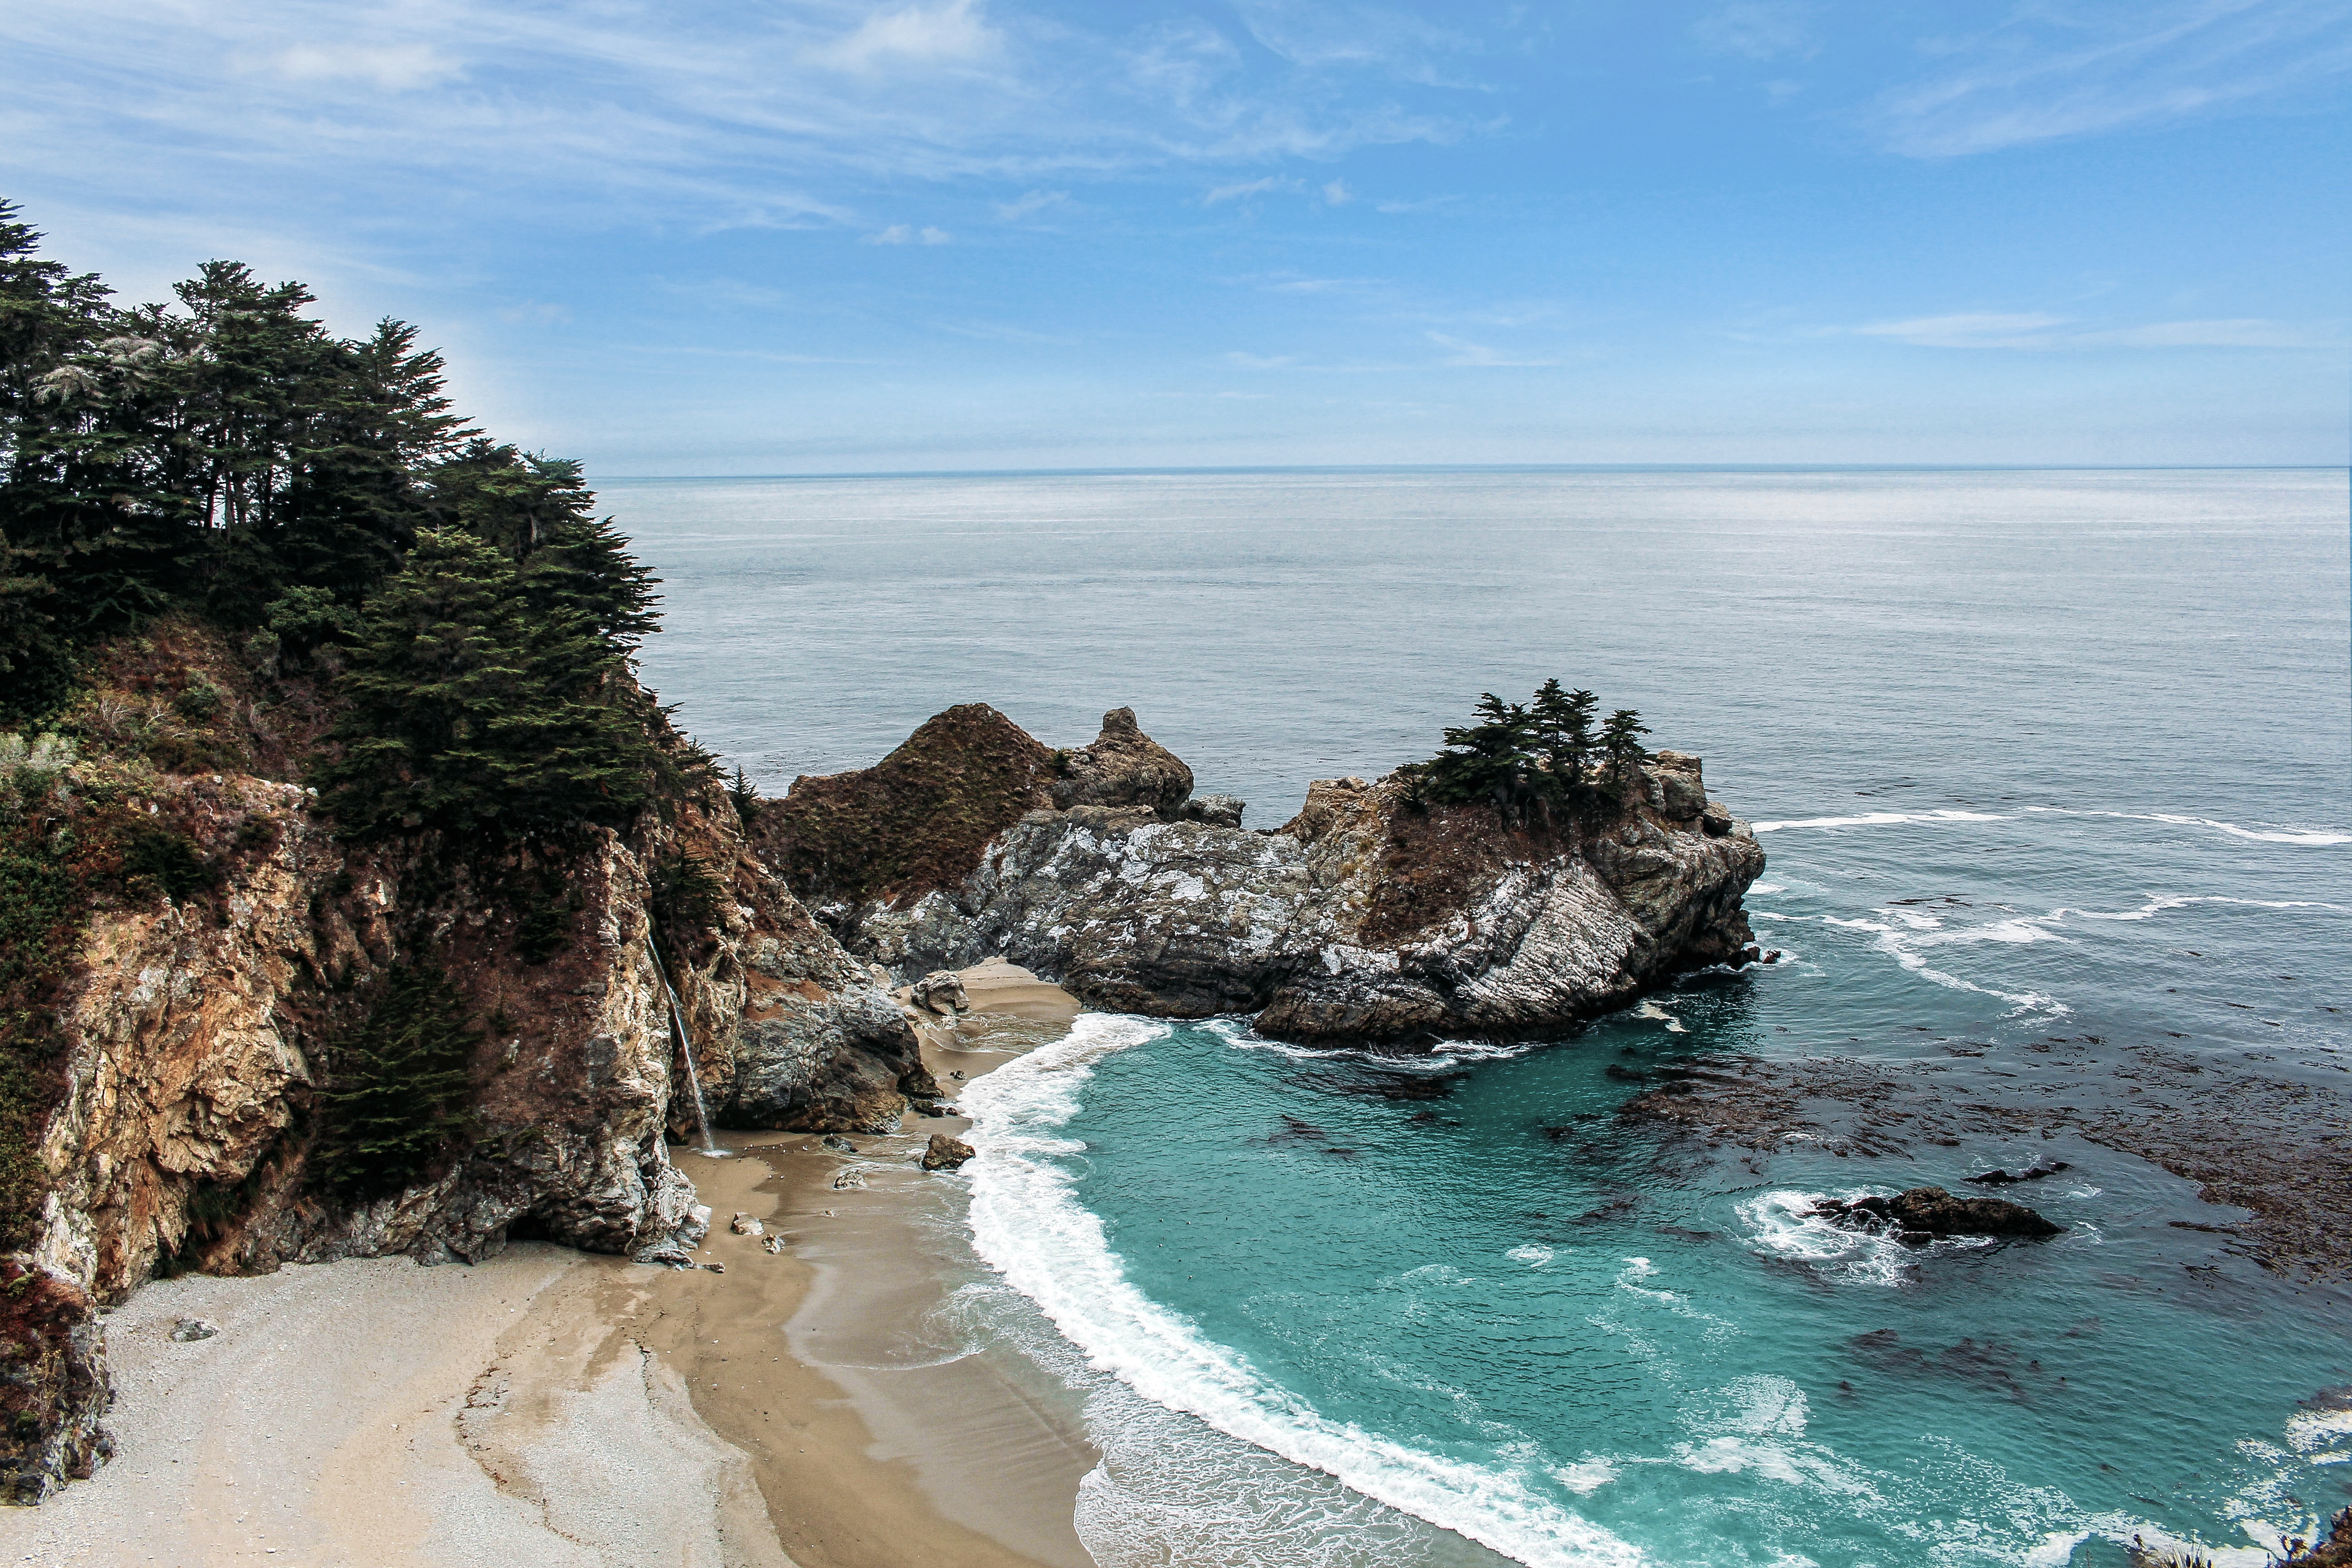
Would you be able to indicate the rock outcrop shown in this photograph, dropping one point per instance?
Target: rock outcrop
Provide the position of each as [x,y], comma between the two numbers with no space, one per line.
[1366,917]
[1123,766]
[1927,1214]
[194,1035]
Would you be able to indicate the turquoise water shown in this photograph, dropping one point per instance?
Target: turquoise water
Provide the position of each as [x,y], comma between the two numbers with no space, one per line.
[2052,770]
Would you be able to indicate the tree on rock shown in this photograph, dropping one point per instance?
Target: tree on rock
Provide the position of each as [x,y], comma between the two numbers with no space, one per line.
[475,710]
[1563,732]
[1621,745]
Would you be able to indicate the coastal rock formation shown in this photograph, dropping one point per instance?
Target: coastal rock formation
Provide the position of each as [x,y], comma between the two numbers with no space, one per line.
[1123,766]
[947,1153]
[1367,916]
[1925,1214]
[197,1029]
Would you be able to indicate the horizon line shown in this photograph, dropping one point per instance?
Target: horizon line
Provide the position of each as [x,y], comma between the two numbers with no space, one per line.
[1113,472]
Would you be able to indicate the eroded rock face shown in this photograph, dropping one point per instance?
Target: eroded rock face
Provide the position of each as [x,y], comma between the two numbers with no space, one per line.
[1363,918]
[198,1035]
[1123,766]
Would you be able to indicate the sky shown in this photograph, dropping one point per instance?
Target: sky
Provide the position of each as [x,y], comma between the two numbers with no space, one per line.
[718,236]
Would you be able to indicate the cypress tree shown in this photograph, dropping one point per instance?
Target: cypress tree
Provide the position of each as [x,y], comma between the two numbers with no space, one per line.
[400,1088]
[1621,744]
[471,711]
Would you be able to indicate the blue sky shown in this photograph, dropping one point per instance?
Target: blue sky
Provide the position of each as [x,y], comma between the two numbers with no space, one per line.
[811,235]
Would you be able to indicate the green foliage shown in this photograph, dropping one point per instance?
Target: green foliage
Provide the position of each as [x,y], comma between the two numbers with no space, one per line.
[397,1100]
[746,798]
[1522,759]
[43,903]
[157,857]
[686,894]
[1621,745]
[473,710]
[226,453]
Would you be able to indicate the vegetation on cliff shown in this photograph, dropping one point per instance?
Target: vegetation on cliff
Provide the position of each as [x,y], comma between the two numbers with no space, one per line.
[233,541]
[400,1090]
[1519,757]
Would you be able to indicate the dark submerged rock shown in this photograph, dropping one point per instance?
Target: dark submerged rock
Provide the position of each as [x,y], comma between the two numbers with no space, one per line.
[1925,1214]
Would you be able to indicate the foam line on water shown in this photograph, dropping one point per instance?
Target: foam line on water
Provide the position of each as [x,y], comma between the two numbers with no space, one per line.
[1903,946]
[2311,838]
[1028,1225]
[1878,819]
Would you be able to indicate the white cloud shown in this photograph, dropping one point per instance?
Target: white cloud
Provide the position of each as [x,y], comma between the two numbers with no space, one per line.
[2044,333]
[1261,362]
[1337,195]
[908,234]
[2045,72]
[1478,356]
[1248,188]
[1973,330]
[1759,30]
[1035,202]
[395,68]
[950,34]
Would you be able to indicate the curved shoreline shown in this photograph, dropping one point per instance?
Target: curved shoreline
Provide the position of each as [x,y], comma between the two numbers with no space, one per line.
[550,1408]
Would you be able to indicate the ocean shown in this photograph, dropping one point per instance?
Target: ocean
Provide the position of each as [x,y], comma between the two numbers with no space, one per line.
[2054,771]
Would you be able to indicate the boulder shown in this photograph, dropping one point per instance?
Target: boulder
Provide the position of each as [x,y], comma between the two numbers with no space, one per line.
[744,1224]
[1217,810]
[2032,1172]
[1676,790]
[947,1152]
[1123,766]
[940,992]
[1926,1213]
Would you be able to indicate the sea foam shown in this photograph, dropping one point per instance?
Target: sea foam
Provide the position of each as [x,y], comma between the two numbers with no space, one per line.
[1028,1224]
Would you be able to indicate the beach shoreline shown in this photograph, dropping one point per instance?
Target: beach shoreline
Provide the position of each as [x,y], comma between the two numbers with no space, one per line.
[562,1408]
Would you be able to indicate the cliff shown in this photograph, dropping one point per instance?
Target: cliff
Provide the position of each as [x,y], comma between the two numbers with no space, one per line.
[1367,916]
[174,1056]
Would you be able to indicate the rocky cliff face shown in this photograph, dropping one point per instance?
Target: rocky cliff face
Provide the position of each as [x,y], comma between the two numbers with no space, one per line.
[194,1034]
[1365,918]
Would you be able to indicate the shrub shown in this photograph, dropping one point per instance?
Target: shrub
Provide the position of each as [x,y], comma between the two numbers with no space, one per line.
[397,1099]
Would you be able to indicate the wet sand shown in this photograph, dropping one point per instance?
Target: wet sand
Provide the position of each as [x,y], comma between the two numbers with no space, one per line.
[548,1407]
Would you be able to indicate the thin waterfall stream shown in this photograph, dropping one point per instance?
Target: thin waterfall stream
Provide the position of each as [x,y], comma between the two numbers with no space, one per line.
[685,1048]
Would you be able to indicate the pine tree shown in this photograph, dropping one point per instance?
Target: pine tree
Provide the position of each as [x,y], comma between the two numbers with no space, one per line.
[1488,761]
[1621,744]
[471,711]
[1563,732]
[397,1099]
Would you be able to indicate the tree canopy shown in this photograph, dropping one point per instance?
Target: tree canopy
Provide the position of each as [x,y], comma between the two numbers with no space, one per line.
[1519,757]
[228,455]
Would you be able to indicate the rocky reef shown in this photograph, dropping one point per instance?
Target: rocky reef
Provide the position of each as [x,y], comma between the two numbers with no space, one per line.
[1368,916]
[200,1017]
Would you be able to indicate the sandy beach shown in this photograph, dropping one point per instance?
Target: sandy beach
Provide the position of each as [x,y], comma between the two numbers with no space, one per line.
[814,1406]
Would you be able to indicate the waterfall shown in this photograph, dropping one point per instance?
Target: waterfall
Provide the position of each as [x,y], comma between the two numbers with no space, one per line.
[685,1048]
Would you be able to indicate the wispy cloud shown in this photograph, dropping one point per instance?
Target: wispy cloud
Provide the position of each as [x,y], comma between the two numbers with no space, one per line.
[908,234]
[1336,193]
[2046,71]
[2046,333]
[394,67]
[1033,203]
[953,32]
[1246,188]
[1478,356]
[1759,30]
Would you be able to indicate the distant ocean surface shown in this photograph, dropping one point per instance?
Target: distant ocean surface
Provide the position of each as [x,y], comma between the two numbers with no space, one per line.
[2036,756]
